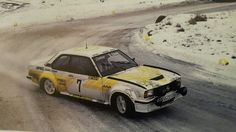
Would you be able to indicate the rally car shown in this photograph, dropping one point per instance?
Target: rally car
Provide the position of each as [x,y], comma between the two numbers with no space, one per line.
[109,76]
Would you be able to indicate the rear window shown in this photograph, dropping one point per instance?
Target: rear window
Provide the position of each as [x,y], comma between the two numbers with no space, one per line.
[61,63]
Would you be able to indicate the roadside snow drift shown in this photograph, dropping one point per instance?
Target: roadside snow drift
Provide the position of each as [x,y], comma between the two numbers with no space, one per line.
[208,40]
[46,11]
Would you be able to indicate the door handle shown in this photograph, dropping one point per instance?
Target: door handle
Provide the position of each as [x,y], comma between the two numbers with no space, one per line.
[70,75]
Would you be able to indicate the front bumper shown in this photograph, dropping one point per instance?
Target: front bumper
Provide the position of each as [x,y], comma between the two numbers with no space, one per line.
[158,103]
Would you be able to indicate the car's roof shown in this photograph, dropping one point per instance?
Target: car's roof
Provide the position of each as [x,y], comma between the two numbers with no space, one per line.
[90,51]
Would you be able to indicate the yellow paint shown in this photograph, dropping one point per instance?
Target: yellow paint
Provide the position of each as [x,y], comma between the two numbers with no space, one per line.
[35,74]
[223,61]
[146,37]
[141,75]
[101,84]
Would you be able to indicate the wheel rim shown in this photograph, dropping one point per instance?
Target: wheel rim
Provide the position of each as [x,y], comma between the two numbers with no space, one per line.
[121,104]
[49,87]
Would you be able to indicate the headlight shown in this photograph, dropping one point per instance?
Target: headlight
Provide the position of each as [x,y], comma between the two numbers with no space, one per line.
[149,93]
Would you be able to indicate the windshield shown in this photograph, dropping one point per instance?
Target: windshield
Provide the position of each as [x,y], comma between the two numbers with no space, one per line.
[113,62]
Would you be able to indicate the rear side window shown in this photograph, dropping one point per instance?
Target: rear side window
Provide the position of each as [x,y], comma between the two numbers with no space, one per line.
[82,65]
[61,63]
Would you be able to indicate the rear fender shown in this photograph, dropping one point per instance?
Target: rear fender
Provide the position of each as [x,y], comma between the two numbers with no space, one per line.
[50,76]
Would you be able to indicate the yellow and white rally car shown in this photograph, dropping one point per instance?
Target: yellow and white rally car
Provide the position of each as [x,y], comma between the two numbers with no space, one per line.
[107,75]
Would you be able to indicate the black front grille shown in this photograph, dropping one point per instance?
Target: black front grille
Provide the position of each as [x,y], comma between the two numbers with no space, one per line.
[162,90]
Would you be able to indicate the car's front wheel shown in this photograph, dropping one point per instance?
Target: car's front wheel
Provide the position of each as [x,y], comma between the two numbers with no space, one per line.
[49,87]
[123,104]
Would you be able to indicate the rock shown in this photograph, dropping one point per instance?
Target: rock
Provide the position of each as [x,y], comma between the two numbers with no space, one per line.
[199,49]
[212,53]
[223,62]
[177,25]
[168,23]
[233,57]
[164,40]
[43,1]
[149,33]
[71,19]
[180,30]
[210,17]
[160,18]
[192,21]
[199,18]
[227,53]
[219,40]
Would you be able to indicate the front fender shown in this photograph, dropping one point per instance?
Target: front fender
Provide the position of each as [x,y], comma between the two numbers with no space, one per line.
[123,90]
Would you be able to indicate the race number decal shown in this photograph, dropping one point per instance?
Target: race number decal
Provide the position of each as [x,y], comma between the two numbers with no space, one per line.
[79,83]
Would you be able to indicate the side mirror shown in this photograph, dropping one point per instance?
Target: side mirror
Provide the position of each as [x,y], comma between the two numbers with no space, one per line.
[48,65]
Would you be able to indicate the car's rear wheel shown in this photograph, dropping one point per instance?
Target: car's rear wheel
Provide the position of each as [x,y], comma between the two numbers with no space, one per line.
[122,104]
[49,87]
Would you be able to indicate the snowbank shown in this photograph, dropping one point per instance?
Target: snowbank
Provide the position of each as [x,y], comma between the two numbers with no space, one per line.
[45,11]
[208,40]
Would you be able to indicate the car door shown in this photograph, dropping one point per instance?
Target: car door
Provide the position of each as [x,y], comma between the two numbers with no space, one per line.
[86,82]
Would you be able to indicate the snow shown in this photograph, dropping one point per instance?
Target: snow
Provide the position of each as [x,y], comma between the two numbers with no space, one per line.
[205,43]
[45,11]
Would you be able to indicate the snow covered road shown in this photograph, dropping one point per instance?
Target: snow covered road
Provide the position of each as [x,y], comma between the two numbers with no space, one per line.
[208,106]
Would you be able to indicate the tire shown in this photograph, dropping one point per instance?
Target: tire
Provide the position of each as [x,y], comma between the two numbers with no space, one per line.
[123,105]
[49,87]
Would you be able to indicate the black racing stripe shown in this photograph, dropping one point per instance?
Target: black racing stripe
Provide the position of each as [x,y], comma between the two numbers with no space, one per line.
[161,68]
[127,82]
